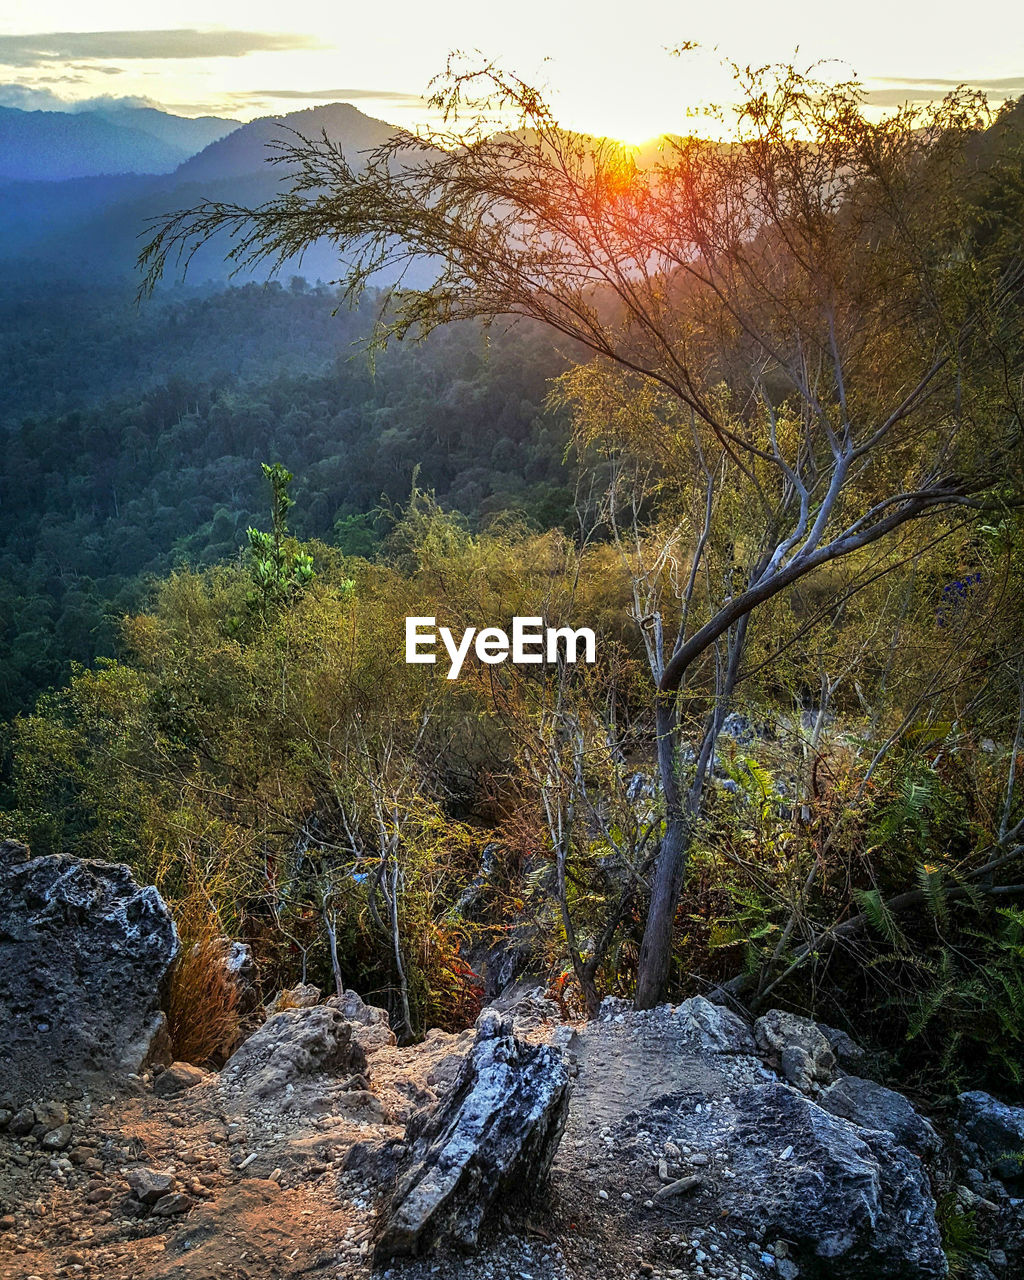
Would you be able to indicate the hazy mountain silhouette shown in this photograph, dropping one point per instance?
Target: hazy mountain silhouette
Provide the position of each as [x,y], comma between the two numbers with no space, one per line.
[92,226]
[56,145]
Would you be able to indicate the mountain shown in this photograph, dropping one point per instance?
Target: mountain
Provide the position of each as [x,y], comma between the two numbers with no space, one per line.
[52,146]
[185,133]
[90,227]
[245,150]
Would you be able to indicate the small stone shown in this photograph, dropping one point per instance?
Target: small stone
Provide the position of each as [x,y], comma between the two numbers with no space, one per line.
[178,1077]
[170,1206]
[150,1185]
[602,1195]
[51,1115]
[22,1122]
[8,1222]
[57,1139]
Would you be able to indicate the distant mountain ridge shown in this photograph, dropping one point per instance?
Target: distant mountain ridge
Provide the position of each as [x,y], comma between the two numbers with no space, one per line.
[53,146]
[91,227]
[245,150]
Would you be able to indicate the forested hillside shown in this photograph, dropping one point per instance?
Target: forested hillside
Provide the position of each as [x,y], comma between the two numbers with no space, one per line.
[757,424]
[169,409]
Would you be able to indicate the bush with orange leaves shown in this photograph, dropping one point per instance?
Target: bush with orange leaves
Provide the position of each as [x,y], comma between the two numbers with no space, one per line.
[202,1007]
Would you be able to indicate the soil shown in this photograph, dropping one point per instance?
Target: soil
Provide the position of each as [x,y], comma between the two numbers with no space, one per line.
[284,1193]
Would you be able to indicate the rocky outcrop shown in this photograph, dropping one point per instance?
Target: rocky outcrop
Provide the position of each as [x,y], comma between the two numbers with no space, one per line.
[852,1202]
[490,1143]
[873,1106]
[291,1049]
[679,1110]
[991,1135]
[798,1047]
[371,1026]
[84,955]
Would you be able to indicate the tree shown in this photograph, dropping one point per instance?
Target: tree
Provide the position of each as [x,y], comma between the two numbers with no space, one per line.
[279,567]
[824,312]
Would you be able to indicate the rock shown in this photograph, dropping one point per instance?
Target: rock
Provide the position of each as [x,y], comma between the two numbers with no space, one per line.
[678,1187]
[372,1026]
[304,996]
[990,1133]
[51,1114]
[150,1185]
[853,1203]
[803,1053]
[6,1116]
[176,1078]
[84,955]
[873,1106]
[12,852]
[172,1204]
[240,962]
[22,1122]
[291,1047]
[848,1052]
[488,1144]
[715,1028]
[56,1139]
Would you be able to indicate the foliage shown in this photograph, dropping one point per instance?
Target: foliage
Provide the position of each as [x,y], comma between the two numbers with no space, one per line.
[279,568]
[202,1002]
[101,492]
[814,320]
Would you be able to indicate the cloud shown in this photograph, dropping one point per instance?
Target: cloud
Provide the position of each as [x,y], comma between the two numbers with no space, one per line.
[37,97]
[898,90]
[329,95]
[55,46]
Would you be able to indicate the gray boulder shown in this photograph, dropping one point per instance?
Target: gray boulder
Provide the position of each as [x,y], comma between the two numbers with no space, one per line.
[848,1052]
[873,1106]
[371,1026]
[85,952]
[852,1203]
[488,1145]
[991,1134]
[799,1048]
[712,1028]
[293,1048]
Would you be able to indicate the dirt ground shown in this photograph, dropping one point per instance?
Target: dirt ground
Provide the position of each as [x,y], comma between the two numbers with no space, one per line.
[288,1193]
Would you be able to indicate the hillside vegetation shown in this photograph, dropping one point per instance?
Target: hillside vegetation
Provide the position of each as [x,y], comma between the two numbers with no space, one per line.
[758,425]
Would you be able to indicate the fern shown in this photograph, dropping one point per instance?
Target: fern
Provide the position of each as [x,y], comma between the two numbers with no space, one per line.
[880,917]
[932,883]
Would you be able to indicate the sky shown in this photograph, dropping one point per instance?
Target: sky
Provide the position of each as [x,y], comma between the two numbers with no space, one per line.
[606,66]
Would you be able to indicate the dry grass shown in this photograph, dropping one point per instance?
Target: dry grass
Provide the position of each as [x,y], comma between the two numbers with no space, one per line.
[202,1003]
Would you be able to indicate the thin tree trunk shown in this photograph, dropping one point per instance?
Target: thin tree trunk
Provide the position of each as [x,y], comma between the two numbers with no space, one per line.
[396,937]
[681,813]
[670,868]
[332,940]
[656,950]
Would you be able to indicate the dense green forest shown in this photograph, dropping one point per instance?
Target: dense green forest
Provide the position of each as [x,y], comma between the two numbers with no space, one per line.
[178,401]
